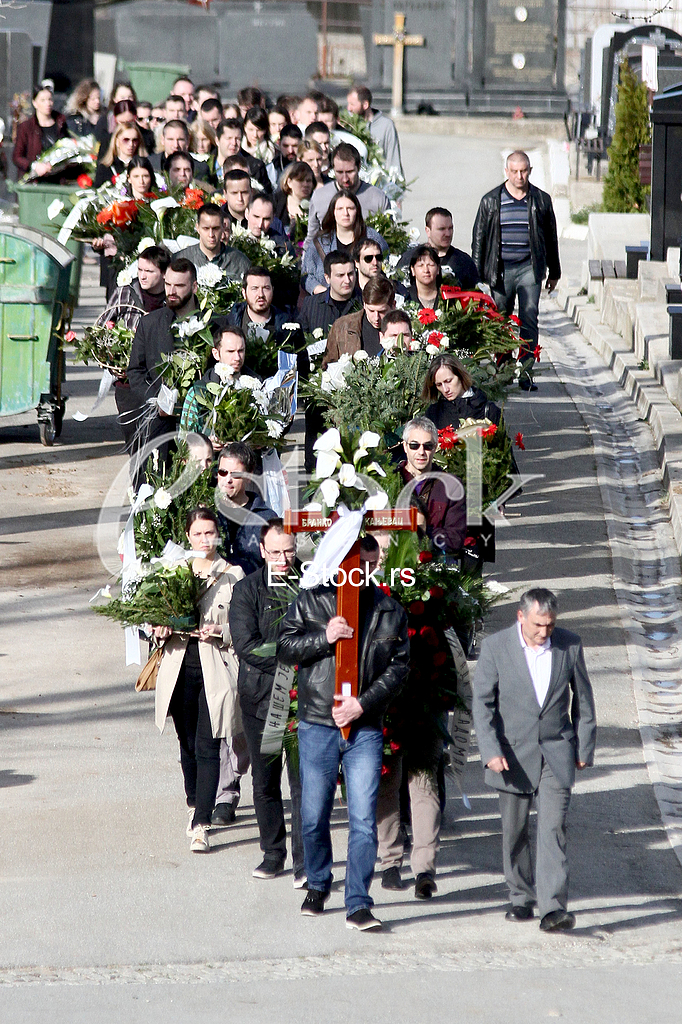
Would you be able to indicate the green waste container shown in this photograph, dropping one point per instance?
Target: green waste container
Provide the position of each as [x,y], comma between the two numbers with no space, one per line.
[35,271]
[34,200]
[153,81]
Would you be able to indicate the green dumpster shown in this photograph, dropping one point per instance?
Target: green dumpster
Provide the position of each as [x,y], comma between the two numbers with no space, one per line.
[34,293]
[153,81]
[34,201]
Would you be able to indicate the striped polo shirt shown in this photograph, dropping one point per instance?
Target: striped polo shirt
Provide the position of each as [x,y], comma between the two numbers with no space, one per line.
[514,228]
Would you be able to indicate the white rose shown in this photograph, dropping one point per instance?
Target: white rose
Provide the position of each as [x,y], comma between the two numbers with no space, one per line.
[209,276]
[388,344]
[399,301]
[359,356]
[432,350]
[439,314]
[162,498]
[444,343]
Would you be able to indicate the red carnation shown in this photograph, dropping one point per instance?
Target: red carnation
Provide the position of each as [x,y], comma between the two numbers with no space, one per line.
[385,769]
[84,181]
[536,352]
[416,608]
[436,591]
[434,338]
[427,316]
[489,431]
[439,658]
[518,441]
[395,747]
[411,632]
[425,556]
[293,694]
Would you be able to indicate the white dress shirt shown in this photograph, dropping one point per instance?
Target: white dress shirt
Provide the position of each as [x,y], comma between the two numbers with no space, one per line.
[539,661]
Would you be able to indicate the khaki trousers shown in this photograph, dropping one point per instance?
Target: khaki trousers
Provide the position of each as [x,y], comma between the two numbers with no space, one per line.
[425,812]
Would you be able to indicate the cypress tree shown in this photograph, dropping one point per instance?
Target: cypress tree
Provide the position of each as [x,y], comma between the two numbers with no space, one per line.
[623,190]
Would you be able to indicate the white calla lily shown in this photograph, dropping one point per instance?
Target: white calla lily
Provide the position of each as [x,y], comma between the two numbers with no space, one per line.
[370,439]
[347,475]
[326,464]
[329,490]
[376,502]
[374,467]
[330,441]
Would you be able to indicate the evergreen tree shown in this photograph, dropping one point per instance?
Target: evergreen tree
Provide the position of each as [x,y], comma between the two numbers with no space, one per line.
[623,190]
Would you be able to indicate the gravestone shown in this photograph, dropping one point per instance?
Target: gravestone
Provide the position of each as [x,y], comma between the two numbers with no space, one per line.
[522,50]
[272,45]
[666,172]
[427,67]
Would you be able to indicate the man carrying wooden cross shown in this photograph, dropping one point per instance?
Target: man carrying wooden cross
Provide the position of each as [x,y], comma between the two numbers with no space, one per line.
[310,633]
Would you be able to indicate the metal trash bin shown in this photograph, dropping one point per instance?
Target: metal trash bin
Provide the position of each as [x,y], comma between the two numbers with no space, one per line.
[34,295]
[34,200]
[153,81]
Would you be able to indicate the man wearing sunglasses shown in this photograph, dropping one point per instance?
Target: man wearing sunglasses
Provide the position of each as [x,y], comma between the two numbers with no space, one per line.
[369,260]
[441,503]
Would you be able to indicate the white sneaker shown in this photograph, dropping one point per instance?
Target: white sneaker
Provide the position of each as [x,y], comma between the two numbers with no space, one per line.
[199,842]
[190,818]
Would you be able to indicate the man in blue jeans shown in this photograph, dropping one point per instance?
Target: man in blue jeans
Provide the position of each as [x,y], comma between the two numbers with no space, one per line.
[309,633]
[514,245]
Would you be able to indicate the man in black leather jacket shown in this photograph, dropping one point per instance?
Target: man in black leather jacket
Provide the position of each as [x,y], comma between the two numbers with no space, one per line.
[514,245]
[308,636]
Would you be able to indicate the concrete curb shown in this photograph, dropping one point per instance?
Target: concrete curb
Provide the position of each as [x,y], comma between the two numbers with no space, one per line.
[650,397]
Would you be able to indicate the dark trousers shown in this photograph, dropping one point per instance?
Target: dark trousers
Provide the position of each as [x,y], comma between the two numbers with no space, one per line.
[266,771]
[199,751]
[314,426]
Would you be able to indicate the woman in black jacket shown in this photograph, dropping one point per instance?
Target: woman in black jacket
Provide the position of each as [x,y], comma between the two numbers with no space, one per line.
[425,278]
[454,395]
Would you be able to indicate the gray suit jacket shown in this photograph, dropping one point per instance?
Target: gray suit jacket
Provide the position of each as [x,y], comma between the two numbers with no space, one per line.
[510,723]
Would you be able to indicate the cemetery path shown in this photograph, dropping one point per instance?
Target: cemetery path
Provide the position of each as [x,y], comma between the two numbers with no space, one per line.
[106,915]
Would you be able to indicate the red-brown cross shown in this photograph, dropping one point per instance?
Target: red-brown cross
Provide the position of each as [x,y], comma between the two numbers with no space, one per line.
[348,595]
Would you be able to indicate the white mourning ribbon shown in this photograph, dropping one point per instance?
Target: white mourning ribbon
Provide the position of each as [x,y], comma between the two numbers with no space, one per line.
[278,711]
[72,219]
[276,492]
[104,388]
[334,546]
[133,656]
[461,717]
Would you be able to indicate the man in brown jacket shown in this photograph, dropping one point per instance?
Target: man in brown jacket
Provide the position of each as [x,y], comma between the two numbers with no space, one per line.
[361,330]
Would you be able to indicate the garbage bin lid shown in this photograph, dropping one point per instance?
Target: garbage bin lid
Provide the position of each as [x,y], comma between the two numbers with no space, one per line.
[50,245]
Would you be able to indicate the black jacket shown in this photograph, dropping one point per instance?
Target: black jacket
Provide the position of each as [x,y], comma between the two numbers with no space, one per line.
[384,651]
[242,533]
[445,413]
[290,340]
[320,311]
[256,614]
[486,242]
[461,264]
[153,338]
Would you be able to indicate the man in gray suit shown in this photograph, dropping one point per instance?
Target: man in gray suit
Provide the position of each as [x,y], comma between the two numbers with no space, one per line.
[535,722]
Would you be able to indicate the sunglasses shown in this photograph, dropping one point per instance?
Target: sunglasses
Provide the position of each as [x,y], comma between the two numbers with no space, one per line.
[428,446]
[229,472]
[373,257]
[159,120]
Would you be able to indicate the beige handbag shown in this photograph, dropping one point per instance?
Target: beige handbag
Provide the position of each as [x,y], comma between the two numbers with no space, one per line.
[147,677]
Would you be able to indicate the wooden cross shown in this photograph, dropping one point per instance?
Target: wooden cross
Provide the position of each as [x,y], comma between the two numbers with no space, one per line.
[398,40]
[347,595]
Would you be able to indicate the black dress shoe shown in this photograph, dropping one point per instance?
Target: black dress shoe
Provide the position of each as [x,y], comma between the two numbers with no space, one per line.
[527,385]
[521,913]
[390,879]
[424,886]
[557,921]
[223,814]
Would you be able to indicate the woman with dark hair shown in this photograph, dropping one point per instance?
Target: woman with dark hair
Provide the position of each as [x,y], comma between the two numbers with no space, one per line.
[37,134]
[342,226]
[454,396]
[179,169]
[278,117]
[256,140]
[84,107]
[106,124]
[140,175]
[126,142]
[291,200]
[425,278]
[197,680]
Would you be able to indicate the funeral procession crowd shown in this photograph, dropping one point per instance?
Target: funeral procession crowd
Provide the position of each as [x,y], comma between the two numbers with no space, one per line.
[260,281]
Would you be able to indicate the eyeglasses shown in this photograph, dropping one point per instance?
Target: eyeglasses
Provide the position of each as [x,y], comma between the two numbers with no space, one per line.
[428,446]
[279,554]
[372,257]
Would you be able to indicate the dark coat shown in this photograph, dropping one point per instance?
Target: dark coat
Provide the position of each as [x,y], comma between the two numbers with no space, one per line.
[409,291]
[153,338]
[295,343]
[384,654]
[446,413]
[319,310]
[461,264]
[29,141]
[486,244]
[446,519]
[242,540]
[256,614]
[106,172]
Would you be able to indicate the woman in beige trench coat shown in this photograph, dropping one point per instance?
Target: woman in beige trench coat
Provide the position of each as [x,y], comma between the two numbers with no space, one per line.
[197,680]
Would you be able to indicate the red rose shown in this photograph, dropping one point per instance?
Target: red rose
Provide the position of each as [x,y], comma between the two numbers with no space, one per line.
[395,747]
[387,731]
[84,181]
[429,635]
[469,542]
[69,337]
[426,316]
[439,658]
[425,556]
[293,694]
[416,608]
[518,441]
[411,632]
[385,769]
[436,591]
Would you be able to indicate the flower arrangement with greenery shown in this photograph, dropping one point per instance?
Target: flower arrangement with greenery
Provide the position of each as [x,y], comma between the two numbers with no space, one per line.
[497,462]
[161,595]
[240,409]
[108,344]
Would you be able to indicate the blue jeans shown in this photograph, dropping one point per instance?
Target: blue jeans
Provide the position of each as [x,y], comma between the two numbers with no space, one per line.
[519,282]
[321,748]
